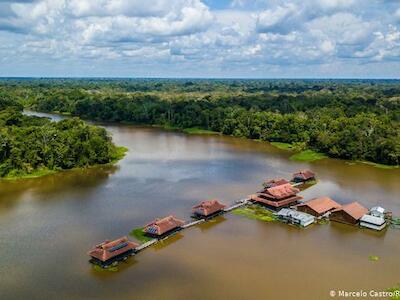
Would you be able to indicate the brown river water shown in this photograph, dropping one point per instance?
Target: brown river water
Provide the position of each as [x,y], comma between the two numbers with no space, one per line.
[48,224]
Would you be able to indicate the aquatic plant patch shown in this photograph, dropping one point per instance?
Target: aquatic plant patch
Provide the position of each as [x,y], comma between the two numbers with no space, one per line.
[308,156]
[138,234]
[256,213]
[373,258]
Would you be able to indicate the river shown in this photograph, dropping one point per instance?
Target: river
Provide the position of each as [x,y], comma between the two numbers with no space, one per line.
[48,224]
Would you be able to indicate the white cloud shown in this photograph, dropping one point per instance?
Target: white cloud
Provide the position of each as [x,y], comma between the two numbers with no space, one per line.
[249,35]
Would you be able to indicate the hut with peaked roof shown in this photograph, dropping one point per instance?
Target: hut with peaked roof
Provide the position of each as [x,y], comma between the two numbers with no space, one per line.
[208,208]
[274,182]
[108,251]
[318,206]
[349,213]
[277,196]
[303,175]
[160,227]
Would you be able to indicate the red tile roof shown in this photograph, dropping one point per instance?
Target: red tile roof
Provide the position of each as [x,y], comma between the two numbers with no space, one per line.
[304,174]
[109,249]
[354,209]
[208,207]
[160,226]
[282,191]
[321,205]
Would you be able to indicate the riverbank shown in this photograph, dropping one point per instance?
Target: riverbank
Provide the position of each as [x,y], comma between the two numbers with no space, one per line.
[304,155]
[41,172]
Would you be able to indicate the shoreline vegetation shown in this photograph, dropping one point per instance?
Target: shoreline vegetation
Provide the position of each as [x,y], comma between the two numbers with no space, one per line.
[354,120]
[41,172]
[32,146]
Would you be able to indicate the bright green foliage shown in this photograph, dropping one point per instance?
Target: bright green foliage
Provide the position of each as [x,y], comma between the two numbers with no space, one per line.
[138,234]
[307,155]
[396,292]
[33,146]
[282,146]
[373,258]
[256,213]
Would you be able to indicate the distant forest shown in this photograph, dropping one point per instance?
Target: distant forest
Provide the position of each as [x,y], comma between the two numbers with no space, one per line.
[349,119]
[33,146]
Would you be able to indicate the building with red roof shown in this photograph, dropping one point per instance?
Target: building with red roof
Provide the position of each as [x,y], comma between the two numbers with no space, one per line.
[303,175]
[110,251]
[318,206]
[278,196]
[349,214]
[160,227]
[207,208]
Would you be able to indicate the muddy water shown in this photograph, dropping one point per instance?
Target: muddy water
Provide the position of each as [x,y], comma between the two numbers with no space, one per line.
[48,224]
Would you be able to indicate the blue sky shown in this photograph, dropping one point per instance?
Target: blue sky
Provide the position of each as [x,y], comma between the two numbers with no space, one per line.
[200,38]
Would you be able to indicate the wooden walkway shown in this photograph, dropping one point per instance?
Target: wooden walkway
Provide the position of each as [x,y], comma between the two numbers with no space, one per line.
[237,204]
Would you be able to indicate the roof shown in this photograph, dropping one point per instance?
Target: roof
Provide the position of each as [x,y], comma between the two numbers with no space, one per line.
[372,220]
[208,207]
[286,212]
[275,182]
[321,205]
[109,249]
[378,209]
[304,174]
[354,209]
[282,191]
[160,226]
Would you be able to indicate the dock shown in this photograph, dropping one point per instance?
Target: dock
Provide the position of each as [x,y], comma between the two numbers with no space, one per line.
[236,204]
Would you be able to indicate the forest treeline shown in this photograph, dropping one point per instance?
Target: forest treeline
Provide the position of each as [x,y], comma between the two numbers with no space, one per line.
[37,146]
[350,119]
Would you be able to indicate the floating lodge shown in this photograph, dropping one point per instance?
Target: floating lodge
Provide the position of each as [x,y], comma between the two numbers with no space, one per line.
[279,195]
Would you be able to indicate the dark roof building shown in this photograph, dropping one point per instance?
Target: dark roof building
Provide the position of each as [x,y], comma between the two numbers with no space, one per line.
[349,214]
[108,250]
[318,206]
[278,196]
[274,182]
[207,208]
[303,175]
[161,226]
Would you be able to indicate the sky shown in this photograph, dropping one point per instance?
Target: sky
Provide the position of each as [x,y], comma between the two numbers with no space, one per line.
[200,38]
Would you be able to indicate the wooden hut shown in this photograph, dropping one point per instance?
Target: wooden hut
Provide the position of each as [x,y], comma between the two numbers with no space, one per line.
[160,227]
[349,214]
[278,196]
[303,176]
[318,206]
[208,208]
[108,252]
[274,182]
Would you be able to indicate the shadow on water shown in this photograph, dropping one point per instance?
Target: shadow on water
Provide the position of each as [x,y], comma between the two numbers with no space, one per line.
[52,187]
[211,223]
[165,243]
[101,273]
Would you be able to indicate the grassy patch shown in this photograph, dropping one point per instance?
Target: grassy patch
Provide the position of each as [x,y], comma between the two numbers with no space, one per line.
[396,292]
[34,174]
[255,213]
[118,154]
[109,269]
[138,234]
[195,130]
[283,146]
[380,166]
[307,155]
[373,258]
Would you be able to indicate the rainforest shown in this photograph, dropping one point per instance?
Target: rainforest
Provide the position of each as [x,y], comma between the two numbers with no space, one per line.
[347,119]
